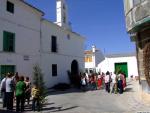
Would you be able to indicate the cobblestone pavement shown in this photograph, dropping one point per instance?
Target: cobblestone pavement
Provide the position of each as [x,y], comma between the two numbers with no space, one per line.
[99,101]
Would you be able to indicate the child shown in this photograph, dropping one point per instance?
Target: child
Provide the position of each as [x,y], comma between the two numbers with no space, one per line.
[28,90]
[35,95]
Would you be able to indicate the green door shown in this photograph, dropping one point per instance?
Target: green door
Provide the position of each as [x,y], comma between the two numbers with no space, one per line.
[123,67]
[6,69]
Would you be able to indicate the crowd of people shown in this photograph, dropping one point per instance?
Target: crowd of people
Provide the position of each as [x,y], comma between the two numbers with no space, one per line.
[113,83]
[17,90]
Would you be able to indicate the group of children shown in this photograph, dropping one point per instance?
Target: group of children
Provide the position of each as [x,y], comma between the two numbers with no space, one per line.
[15,88]
[113,83]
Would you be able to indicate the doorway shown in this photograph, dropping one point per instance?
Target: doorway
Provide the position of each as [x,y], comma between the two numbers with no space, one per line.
[123,67]
[74,68]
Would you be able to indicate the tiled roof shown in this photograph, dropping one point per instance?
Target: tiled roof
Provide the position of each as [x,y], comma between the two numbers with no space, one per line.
[88,52]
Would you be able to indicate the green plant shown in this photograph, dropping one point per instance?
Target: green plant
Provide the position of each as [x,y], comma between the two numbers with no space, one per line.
[38,80]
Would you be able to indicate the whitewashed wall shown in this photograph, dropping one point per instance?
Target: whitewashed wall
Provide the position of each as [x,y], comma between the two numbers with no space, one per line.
[109,64]
[25,23]
[68,50]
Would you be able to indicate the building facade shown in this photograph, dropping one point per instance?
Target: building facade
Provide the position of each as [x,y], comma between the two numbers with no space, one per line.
[137,13]
[126,63]
[92,58]
[28,39]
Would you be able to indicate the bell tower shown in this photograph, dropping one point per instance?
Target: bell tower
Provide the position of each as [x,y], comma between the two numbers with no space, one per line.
[62,14]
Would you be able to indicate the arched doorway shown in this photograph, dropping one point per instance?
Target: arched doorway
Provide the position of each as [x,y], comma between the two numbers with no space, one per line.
[74,68]
[146,60]
[75,78]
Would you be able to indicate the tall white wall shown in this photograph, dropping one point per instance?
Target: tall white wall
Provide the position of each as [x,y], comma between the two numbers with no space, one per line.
[33,39]
[68,50]
[25,23]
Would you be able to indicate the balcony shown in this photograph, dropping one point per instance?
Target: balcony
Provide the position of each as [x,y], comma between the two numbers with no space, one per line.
[137,15]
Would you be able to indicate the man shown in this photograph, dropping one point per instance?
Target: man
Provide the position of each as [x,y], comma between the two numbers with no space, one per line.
[114,83]
[3,91]
[107,81]
[9,91]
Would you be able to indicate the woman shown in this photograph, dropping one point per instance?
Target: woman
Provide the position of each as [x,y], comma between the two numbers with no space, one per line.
[120,83]
[20,94]
[99,81]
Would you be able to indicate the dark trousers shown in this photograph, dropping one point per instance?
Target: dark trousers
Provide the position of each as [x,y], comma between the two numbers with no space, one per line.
[120,86]
[9,98]
[35,103]
[20,103]
[107,86]
[4,99]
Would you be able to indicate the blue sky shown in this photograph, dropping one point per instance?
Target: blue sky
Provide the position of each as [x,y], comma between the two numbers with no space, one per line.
[102,22]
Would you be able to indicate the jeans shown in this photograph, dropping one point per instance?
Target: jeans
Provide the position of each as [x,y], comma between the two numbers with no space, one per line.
[107,86]
[9,98]
[20,100]
[4,98]
[35,103]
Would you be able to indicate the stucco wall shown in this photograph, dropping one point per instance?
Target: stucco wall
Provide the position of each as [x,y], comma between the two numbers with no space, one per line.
[33,39]
[27,36]
[109,64]
[68,50]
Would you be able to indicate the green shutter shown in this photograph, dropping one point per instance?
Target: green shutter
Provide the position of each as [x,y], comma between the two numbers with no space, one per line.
[13,42]
[8,41]
[5,41]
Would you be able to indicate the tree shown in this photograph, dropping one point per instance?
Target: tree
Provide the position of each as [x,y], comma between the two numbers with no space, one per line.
[38,80]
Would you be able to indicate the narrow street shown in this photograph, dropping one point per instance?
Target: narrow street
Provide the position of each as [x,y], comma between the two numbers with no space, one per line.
[99,101]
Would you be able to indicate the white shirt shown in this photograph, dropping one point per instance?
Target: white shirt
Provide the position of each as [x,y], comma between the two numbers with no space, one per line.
[9,85]
[113,78]
[107,77]
[83,81]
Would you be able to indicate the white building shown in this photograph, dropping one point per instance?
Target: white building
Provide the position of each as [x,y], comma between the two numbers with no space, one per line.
[92,58]
[126,63]
[27,39]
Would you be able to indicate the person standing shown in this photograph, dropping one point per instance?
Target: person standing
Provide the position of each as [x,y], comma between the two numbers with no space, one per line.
[107,81]
[35,92]
[114,83]
[28,89]
[3,91]
[9,91]
[99,81]
[20,94]
[120,83]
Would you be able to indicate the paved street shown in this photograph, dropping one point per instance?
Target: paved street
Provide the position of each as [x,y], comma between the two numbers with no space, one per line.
[75,101]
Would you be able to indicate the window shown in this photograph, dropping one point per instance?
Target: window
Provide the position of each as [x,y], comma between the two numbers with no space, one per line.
[54,69]
[68,37]
[88,59]
[64,19]
[64,6]
[10,7]
[8,41]
[54,44]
